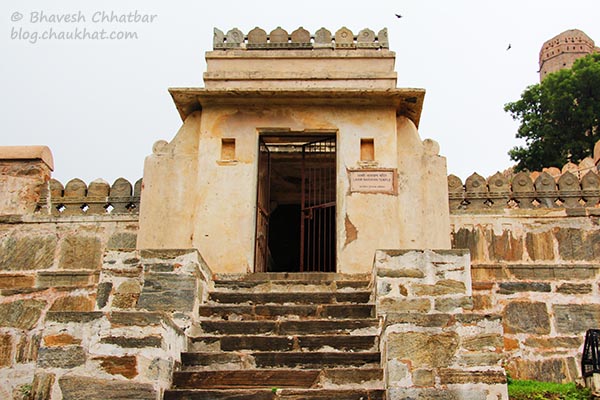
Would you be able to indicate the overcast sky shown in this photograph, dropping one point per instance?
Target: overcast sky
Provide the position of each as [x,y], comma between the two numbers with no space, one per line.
[101,104]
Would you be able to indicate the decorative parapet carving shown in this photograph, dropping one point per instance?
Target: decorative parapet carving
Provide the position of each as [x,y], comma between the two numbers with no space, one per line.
[575,187]
[258,39]
[98,198]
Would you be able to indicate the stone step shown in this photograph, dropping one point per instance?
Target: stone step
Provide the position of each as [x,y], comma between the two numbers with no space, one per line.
[292,277]
[360,326]
[290,359]
[272,312]
[289,297]
[291,286]
[276,394]
[284,343]
[279,378]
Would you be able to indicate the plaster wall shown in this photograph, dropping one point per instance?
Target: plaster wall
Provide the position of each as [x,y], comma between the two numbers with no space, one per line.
[214,200]
[225,225]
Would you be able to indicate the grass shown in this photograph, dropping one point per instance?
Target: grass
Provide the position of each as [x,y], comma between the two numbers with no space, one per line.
[535,390]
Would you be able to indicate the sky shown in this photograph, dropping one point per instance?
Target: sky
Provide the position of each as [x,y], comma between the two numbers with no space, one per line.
[101,104]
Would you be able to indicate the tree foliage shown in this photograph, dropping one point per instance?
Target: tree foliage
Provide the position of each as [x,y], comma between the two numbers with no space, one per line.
[559,117]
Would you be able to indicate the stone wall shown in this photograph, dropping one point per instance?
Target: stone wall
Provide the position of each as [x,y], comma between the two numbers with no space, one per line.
[48,265]
[540,270]
[434,344]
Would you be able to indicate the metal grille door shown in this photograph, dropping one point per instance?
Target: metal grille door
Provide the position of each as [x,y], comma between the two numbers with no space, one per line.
[261,252]
[318,228]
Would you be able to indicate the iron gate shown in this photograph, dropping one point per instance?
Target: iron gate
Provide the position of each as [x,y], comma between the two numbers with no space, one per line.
[261,251]
[317,225]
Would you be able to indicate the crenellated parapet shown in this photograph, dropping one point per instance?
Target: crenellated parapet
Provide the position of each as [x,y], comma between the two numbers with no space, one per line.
[98,198]
[279,38]
[574,186]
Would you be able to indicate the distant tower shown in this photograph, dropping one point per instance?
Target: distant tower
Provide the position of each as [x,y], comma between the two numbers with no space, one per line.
[562,50]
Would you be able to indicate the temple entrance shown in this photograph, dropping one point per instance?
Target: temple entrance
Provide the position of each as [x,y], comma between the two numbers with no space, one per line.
[296,198]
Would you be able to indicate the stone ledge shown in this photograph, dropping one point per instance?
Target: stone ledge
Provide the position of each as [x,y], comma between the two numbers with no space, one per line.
[20,153]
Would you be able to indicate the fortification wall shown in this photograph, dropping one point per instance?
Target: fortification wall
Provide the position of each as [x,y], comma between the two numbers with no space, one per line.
[534,241]
[52,242]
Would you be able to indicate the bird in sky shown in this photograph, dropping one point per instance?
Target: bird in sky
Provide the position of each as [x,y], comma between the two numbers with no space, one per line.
[398,15]
[509,47]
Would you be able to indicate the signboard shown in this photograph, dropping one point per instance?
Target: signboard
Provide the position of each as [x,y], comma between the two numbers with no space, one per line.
[373,181]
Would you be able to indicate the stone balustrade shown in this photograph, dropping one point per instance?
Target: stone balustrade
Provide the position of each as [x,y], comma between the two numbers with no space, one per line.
[279,39]
[97,198]
[574,186]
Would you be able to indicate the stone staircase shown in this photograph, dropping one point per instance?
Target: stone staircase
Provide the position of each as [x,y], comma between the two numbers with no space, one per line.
[284,336]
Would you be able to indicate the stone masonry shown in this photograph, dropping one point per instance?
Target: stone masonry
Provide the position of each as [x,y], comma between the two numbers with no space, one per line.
[85,313]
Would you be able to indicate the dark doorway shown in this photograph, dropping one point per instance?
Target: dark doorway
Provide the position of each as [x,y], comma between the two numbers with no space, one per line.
[296,204]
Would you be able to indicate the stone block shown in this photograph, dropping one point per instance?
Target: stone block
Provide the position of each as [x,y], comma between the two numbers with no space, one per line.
[61,357]
[450,376]
[579,272]
[27,348]
[400,273]
[135,319]
[73,303]
[424,320]
[449,304]
[572,245]
[158,282]
[505,247]
[574,288]
[16,281]
[472,240]
[168,292]
[526,317]
[164,254]
[423,378]
[394,305]
[122,241]
[486,341]
[21,314]
[576,318]
[125,300]
[554,342]
[73,316]
[475,319]
[41,388]
[103,293]
[134,343]
[488,273]
[480,359]
[6,350]
[561,370]
[482,302]
[75,387]
[383,288]
[540,246]
[27,253]
[482,286]
[80,252]
[516,287]
[60,340]
[182,300]
[125,366]
[53,279]
[442,287]
[510,344]
[553,272]
[423,349]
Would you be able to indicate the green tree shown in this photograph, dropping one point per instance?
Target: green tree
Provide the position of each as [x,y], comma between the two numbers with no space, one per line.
[559,117]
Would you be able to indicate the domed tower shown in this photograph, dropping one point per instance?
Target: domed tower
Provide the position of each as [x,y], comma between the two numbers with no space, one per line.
[562,50]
